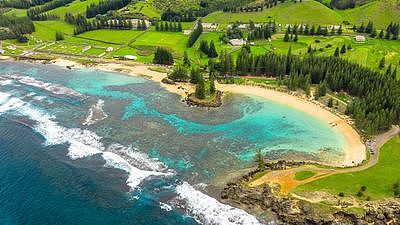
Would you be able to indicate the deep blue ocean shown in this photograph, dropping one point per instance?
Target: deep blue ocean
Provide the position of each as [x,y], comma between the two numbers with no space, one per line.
[91,147]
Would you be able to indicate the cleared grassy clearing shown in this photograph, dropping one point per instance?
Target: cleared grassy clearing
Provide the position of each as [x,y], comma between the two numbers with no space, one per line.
[76,7]
[313,12]
[367,54]
[378,179]
[380,12]
[310,12]
[176,41]
[303,175]
[46,30]
[145,7]
[112,36]
[17,12]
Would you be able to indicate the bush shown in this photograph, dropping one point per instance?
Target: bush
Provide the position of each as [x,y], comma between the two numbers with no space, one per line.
[328,46]
[360,194]
[163,56]
[363,188]
[341,194]
[317,41]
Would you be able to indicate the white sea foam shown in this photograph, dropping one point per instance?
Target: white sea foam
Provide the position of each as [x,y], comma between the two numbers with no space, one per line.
[5,82]
[136,176]
[165,206]
[207,210]
[53,88]
[95,114]
[139,159]
[8,103]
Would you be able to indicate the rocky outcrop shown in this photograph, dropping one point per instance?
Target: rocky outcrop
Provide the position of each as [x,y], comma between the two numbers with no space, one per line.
[166,80]
[291,210]
[217,102]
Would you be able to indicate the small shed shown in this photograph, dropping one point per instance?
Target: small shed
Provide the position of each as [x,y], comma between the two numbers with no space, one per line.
[360,38]
[130,57]
[237,42]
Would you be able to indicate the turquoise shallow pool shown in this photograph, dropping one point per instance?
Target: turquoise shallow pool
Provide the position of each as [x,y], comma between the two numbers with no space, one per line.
[122,150]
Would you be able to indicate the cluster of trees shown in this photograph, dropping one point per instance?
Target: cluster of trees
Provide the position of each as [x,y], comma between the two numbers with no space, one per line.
[104,6]
[343,4]
[169,26]
[82,26]
[377,103]
[234,32]
[35,13]
[261,33]
[17,27]
[392,31]
[75,20]
[59,36]
[207,49]
[310,30]
[21,4]
[184,16]
[195,34]
[163,56]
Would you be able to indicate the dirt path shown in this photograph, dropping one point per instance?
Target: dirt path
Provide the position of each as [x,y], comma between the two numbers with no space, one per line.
[287,182]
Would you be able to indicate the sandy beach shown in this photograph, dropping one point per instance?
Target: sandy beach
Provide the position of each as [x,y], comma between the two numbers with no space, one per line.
[355,151]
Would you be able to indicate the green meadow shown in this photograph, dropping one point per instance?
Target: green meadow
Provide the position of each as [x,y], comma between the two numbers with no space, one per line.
[76,7]
[378,179]
[112,36]
[46,30]
[313,12]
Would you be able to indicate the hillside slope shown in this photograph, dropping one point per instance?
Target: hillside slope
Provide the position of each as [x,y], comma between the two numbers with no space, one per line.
[314,12]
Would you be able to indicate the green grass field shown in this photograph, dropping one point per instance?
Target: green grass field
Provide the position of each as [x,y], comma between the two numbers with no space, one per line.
[310,12]
[378,179]
[145,7]
[175,41]
[303,175]
[76,7]
[112,36]
[313,12]
[367,54]
[17,12]
[46,30]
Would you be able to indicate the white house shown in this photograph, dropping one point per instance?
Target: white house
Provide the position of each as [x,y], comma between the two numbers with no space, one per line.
[210,26]
[237,42]
[360,38]
[187,32]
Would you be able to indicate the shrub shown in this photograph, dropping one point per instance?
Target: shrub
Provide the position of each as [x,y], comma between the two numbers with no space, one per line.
[341,194]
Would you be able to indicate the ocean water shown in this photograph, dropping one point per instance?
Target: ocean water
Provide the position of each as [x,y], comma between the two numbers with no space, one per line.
[92,147]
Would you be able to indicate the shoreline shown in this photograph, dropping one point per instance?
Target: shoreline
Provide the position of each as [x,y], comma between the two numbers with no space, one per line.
[355,153]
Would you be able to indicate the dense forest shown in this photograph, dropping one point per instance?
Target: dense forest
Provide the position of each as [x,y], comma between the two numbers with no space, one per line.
[37,13]
[16,27]
[104,6]
[22,4]
[377,96]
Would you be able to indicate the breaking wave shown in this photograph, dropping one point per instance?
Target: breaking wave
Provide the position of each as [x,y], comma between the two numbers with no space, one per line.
[82,143]
[207,210]
[53,88]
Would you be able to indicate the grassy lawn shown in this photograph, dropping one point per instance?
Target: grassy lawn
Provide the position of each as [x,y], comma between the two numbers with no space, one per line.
[309,11]
[46,30]
[112,36]
[76,7]
[380,12]
[303,175]
[367,54]
[144,7]
[378,179]
[313,12]
[175,41]
[17,12]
